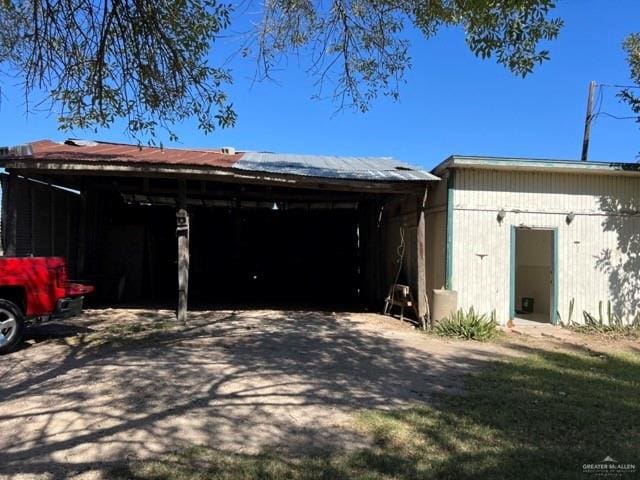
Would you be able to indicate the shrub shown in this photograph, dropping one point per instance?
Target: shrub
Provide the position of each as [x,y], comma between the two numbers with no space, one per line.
[468,325]
[611,325]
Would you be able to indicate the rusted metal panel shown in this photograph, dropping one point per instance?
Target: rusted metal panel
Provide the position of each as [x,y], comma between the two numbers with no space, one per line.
[121,153]
[383,169]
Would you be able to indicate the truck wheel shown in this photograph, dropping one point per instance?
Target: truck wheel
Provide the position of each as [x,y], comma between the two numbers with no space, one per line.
[11,326]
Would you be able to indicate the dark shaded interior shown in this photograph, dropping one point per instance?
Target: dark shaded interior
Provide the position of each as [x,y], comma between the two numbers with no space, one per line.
[250,244]
[248,256]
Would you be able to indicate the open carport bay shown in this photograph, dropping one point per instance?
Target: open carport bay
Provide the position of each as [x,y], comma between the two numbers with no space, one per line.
[251,245]
[239,254]
[213,228]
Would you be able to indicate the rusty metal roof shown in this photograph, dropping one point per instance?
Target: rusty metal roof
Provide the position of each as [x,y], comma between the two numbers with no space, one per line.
[99,152]
[331,167]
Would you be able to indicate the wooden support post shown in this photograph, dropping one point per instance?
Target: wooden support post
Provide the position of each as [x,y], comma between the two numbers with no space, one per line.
[52,222]
[378,249]
[182,231]
[421,271]
[32,216]
[11,212]
[67,244]
[83,235]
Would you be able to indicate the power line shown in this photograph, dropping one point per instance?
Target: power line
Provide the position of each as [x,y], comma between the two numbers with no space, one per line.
[600,101]
[595,99]
[613,85]
[614,116]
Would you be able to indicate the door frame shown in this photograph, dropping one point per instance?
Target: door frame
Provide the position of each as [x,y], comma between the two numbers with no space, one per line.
[553,314]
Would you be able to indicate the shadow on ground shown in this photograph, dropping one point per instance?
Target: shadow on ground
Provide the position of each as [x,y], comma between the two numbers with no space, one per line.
[546,415]
[235,381]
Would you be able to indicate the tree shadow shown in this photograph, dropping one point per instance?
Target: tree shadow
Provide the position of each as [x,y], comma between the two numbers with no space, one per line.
[542,416]
[622,265]
[279,389]
[243,381]
[41,332]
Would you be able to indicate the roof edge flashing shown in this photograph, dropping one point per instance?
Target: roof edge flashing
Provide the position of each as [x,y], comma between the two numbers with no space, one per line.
[537,164]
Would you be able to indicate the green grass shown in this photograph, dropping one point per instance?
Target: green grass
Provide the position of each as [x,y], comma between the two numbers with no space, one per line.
[123,329]
[123,334]
[537,417]
[614,332]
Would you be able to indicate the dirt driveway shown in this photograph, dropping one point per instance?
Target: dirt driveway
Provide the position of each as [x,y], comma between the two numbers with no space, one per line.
[121,383]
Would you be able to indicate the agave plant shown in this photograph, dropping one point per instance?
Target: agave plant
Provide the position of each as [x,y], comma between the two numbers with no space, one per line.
[468,325]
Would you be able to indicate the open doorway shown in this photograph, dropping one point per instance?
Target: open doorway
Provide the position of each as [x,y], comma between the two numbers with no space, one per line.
[534,275]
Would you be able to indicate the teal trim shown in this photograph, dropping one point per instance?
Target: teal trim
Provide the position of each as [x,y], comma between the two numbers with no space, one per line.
[512,274]
[554,300]
[449,248]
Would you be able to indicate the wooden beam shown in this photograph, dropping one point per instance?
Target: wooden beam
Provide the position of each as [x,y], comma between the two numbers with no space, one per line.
[421,270]
[253,194]
[83,234]
[32,216]
[182,232]
[67,244]
[52,223]
[223,175]
[380,290]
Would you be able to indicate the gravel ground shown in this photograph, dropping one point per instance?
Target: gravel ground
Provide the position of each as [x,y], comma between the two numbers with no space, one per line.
[121,383]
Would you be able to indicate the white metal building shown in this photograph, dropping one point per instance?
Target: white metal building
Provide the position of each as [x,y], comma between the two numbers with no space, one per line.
[501,230]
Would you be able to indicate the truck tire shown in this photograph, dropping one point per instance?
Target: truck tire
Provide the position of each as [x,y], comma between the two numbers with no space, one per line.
[11,326]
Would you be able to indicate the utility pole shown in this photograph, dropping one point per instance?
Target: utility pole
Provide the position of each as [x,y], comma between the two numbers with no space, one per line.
[587,121]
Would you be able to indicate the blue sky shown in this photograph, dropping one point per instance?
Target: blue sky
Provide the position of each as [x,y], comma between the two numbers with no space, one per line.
[452,103]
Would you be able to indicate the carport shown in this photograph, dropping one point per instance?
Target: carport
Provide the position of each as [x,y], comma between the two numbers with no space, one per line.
[219,227]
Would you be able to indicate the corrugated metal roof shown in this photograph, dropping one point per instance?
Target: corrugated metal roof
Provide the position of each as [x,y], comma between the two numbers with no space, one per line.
[331,167]
[352,168]
[100,152]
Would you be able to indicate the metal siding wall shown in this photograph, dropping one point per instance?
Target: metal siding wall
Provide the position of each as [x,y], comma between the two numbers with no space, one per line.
[47,222]
[592,263]
[41,222]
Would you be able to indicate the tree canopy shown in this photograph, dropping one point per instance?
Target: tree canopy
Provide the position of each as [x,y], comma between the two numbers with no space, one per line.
[630,96]
[154,63]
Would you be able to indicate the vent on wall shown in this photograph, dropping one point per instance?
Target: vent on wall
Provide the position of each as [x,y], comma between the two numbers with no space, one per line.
[228,150]
[78,142]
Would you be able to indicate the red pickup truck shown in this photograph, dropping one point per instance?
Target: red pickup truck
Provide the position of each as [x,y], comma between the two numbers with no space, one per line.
[35,287]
